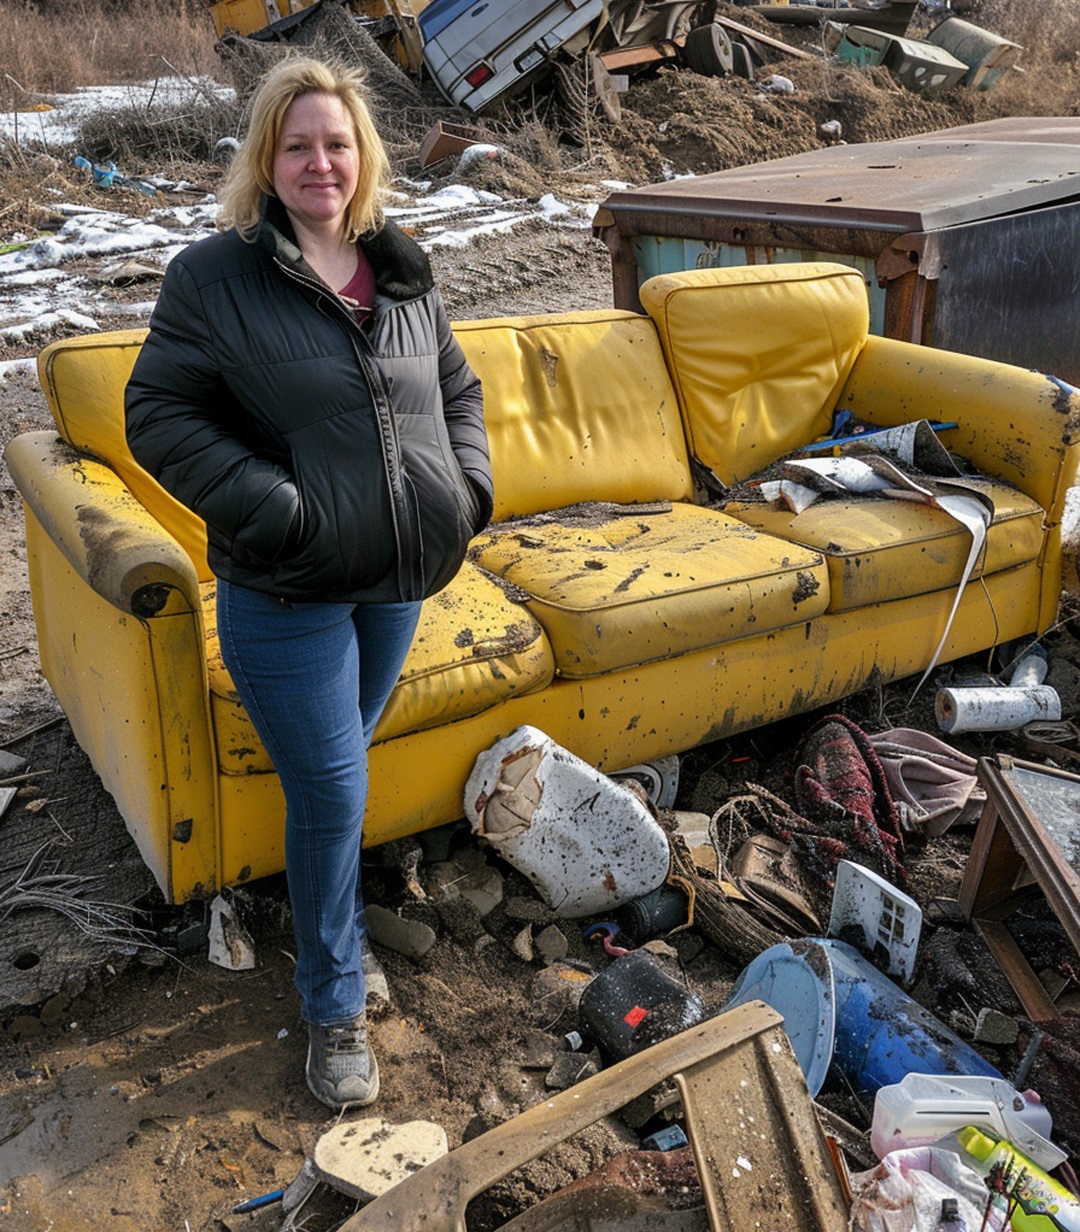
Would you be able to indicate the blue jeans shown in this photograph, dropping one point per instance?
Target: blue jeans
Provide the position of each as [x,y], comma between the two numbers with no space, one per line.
[314,678]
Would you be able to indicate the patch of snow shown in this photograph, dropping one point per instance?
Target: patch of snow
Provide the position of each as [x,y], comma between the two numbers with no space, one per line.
[497,224]
[32,277]
[46,320]
[9,367]
[552,206]
[57,128]
[1070,518]
[41,274]
[477,153]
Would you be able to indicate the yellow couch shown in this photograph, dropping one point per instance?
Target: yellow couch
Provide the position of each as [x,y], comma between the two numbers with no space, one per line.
[608,605]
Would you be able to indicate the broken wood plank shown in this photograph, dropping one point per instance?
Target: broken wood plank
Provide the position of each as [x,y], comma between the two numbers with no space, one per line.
[729,23]
[645,53]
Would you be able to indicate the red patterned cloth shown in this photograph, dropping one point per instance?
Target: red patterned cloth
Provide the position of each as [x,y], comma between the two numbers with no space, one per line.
[842,791]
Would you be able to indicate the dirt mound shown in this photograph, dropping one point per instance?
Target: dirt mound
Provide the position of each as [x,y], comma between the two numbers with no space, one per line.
[677,122]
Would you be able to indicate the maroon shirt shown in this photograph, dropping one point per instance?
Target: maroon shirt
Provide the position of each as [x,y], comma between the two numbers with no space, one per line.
[359,291]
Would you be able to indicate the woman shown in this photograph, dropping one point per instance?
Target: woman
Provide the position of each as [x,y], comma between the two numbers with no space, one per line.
[301,391]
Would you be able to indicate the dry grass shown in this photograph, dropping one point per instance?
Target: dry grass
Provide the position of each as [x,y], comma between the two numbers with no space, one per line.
[24,175]
[58,46]
[54,46]
[32,177]
[1049,30]
[138,135]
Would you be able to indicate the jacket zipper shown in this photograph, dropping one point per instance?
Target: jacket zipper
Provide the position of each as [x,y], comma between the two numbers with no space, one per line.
[380,400]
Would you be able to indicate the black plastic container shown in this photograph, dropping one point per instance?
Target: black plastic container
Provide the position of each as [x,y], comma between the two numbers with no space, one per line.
[633,1005]
[653,914]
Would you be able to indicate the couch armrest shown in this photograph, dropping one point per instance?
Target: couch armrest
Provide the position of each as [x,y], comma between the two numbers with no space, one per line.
[119,549]
[1014,424]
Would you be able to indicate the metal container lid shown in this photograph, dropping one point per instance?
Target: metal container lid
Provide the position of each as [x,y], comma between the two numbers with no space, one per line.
[923,183]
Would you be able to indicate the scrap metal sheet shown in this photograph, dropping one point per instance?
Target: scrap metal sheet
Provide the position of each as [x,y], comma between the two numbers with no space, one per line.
[914,184]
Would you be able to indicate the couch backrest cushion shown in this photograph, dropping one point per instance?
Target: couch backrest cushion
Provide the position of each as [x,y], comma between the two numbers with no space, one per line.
[578,407]
[758,355]
[84,380]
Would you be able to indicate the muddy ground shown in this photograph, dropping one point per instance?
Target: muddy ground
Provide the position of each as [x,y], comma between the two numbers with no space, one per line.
[143,1087]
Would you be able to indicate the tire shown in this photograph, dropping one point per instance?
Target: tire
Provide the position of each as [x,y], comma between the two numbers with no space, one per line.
[708,51]
[604,90]
[743,61]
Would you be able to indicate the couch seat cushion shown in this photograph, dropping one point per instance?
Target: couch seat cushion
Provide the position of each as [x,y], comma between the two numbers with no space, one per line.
[880,549]
[617,589]
[474,647]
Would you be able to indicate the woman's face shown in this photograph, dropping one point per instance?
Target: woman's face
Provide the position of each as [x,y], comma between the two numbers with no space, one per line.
[316,162]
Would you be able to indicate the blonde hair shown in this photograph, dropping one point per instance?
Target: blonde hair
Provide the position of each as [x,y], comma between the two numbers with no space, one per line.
[250,179]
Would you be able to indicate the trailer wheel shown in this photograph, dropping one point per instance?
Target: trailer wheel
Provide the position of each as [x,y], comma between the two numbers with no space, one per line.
[708,51]
[604,90]
[743,61]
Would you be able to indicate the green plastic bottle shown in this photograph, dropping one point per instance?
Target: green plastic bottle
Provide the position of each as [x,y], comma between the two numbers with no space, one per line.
[1037,1201]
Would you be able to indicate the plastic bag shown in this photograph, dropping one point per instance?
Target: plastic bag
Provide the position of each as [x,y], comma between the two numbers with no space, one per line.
[904,1193]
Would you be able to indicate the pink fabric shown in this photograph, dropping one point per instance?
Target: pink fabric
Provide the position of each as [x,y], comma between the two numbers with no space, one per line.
[933,785]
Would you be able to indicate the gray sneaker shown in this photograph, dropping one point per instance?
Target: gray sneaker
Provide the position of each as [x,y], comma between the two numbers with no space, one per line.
[341,1069]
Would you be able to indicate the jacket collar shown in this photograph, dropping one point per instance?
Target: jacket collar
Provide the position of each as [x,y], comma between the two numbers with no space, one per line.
[401,267]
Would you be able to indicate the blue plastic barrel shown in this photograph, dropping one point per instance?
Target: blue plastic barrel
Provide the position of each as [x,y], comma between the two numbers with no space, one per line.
[882,1034]
[845,1017]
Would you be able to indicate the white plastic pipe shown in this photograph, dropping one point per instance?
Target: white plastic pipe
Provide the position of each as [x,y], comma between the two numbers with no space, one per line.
[995,709]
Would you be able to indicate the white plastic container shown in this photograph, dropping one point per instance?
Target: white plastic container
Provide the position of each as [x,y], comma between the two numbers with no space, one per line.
[923,1108]
[887,916]
[1031,670]
[587,843]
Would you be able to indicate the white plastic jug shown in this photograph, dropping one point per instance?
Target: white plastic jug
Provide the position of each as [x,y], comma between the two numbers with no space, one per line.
[587,843]
[922,1108]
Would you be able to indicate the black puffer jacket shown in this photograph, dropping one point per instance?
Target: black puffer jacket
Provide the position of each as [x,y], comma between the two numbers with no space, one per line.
[329,462]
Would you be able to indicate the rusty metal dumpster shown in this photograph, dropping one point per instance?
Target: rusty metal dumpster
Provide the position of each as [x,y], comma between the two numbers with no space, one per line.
[969,238]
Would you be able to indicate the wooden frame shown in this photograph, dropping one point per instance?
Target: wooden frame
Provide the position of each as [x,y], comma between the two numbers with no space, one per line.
[1014,852]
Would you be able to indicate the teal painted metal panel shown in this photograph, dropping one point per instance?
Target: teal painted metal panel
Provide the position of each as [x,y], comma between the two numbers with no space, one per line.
[669,254]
